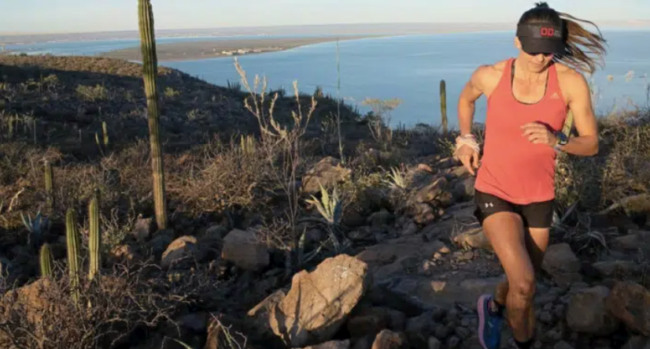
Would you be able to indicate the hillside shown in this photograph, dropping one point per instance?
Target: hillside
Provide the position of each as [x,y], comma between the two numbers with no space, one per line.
[256,255]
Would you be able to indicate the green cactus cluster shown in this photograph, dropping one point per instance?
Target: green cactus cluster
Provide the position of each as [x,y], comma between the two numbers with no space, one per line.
[443,105]
[95,238]
[150,69]
[49,185]
[46,261]
[72,242]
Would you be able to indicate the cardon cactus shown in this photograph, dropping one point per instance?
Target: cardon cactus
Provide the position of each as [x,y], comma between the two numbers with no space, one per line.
[443,105]
[150,69]
[72,241]
[46,261]
[49,185]
[95,237]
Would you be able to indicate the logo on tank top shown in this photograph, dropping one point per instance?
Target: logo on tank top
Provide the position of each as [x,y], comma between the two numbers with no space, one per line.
[555,95]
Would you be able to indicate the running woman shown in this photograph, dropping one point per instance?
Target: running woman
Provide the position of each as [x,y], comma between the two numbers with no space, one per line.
[528,98]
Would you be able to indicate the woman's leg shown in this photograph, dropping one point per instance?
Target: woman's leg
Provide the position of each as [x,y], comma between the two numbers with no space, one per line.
[507,234]
[536,244]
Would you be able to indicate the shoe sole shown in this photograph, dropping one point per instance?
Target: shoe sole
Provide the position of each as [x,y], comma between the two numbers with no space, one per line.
[481,319]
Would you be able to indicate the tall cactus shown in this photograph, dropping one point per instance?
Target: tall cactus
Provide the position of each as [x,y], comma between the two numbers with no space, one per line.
[72,241]
[46,261]
[49,185]
[443,105]
[95,238]
[150,70]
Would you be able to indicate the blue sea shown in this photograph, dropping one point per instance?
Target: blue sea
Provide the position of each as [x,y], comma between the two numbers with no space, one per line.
[406,67]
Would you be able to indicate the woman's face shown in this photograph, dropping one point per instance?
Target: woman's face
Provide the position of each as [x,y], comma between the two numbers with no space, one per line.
[534,61]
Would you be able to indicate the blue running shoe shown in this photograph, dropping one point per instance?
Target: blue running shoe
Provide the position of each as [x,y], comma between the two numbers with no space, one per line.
[489,323]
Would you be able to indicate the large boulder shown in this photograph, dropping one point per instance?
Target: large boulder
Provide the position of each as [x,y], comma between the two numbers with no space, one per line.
[630,302]
[245,250]
[326,173]
[587,312]
[320,301]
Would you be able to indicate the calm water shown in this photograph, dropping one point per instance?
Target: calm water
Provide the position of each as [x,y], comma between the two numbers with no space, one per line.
[409,68]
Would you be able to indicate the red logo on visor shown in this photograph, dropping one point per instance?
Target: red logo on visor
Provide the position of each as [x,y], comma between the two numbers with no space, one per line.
[547,32]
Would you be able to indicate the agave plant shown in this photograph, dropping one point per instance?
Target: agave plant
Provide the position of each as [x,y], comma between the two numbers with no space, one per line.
[397,178]
[330,207]
[37,227]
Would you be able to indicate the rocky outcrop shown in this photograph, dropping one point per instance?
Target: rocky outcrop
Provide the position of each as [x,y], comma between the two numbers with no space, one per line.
[562,264]
[318,303]
[587,312]
[630,302]
[326,173]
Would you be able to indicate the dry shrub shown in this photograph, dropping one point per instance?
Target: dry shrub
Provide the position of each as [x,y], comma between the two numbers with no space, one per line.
[224,177]
[620,169]
[43,315]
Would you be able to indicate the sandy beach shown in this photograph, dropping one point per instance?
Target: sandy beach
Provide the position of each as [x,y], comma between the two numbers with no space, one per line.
[221,48]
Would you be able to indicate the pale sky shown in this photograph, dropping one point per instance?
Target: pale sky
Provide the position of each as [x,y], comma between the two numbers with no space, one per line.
[110,15]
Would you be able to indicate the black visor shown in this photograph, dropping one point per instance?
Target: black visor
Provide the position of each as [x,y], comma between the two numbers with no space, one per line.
[541,38]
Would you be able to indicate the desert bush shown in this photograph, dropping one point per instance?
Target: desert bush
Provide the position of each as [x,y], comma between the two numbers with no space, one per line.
[223,177]
[43,315]
[620,169]
[92,93]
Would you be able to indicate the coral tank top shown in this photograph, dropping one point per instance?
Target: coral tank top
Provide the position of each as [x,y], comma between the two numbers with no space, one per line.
[512,167]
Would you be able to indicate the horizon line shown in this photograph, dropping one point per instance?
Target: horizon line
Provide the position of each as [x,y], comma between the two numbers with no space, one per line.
[633,22]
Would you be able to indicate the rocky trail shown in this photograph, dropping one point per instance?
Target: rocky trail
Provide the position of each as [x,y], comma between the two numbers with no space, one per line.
[410,279]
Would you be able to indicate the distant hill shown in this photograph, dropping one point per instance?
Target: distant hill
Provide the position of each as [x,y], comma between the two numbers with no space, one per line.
[70,97]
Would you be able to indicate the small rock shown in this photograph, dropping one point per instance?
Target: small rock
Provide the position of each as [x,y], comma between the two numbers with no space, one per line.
[559,311]
[123,254]
[143,229]
[410,229]
[440,331]
[160,241]
[453,342]
[433,343]
[562,345]
[638,342]
[331,345]
[546,317]
[179,250]
[368,321]
[621,269]
[326,173]
[462,332]
[381,218]
[387,339]
[197,322]
[217,231]
[418,329]
[630,302]
[245,250]
[553,335]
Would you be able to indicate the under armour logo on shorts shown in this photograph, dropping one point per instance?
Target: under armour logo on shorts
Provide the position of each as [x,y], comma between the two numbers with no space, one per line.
[488,204]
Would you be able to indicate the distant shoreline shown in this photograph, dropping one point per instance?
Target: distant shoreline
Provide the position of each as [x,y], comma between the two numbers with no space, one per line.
[196,50]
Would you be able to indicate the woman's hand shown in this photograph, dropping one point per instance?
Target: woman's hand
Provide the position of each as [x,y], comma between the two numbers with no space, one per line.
[539,134]
[467,151]
[469,158]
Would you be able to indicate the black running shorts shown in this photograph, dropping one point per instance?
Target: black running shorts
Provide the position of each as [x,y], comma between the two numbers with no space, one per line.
[535,215]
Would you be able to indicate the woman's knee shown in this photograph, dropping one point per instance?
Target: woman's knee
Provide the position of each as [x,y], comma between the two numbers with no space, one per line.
[522,288]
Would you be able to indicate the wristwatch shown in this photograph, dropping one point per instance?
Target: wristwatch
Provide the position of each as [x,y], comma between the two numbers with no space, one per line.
[561,140]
